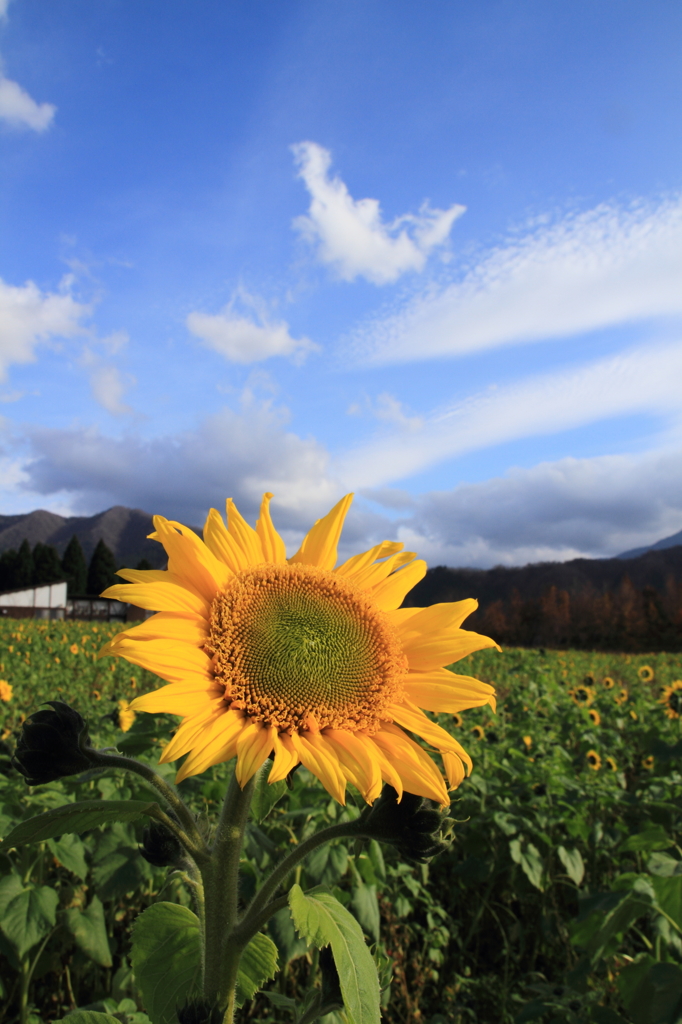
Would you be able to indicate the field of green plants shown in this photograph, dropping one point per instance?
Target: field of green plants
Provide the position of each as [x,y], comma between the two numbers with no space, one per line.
[559,899]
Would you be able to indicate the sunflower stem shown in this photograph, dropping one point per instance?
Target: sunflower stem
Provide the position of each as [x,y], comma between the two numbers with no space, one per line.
[131,764]
[262,906]
[220,873]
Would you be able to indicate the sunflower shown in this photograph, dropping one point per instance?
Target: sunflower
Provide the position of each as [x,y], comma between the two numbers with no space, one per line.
[583,695]
[648,762]
[527,742]
[621,697]
[608,683]
[74,648]
[478,732]
[671,697]
[296,660]
[5,690]
[595,717]
[611,764]
[457,721]
[593,759]
[645,673]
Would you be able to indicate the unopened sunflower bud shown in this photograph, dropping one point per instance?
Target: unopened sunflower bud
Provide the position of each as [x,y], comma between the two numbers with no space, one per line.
[199,1011]
[159,845]
[411,826]
[53,744]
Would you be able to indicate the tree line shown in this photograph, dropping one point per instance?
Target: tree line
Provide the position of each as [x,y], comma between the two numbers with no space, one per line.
[24,567]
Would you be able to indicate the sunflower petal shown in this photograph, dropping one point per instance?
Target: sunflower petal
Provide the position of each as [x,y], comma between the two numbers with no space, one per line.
[321,764]
[286,757]
[166,625]
[160,597]
[218,747]
[191,728]
[254,744]
[443,691]
[429,652]
[244,535]
[416,769]
[386,768]
[171,659]
[274,548]
[372,575]
[320,544]
[390,593]
[354,753]
[437,618]
[415,721]
[190,559]
[358,563]
[454,769]
[182,699]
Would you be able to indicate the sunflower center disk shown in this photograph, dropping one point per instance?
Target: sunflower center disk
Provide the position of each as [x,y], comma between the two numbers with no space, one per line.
[292,641]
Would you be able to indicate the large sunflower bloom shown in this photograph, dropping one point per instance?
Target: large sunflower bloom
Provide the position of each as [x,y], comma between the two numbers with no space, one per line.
[298,660]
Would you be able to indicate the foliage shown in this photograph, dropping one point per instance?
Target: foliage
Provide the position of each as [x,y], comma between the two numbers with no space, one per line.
[559,900]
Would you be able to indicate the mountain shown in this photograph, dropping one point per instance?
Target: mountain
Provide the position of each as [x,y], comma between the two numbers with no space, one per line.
[660,545]
[123,530]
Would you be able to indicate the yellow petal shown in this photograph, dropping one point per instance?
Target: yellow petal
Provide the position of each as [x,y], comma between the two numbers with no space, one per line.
[223,546]
[372,575]
[171,659]
[415,721]
[191,729]
[358,563]
[438,618]
[352,751]
[454,769]
[286,757]
[426,653]
[274,548]
[443,691]
[390,594]
[160,597]
[184,698]
[245,535]
[387,769]
[322,765]
[168,626]
[254,744]
[190,559]
[320,544]
[220,746]
[416,769]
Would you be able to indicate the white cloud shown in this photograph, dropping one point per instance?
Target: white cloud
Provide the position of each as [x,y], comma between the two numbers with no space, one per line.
[608,266]
[243,340]
[28,316]
[388,409]
[4,4]
[108,388]
[350,234]
[642,380]
[20,110]
[552,512]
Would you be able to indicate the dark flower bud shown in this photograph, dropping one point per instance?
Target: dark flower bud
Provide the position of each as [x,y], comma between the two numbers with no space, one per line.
[199,1011]
[159,846]
[412,826]
[53,744]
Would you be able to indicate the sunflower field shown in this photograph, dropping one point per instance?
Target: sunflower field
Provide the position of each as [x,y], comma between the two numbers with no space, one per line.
[559,898]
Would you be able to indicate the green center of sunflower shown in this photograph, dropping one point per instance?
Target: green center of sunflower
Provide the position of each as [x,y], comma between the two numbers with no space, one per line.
[298,647]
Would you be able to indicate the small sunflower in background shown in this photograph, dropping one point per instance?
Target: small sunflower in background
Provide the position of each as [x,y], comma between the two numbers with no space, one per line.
[96,694]
[621,697]
[611,764]
[645,673]
[634,716]
[5,690]
[528,742]
[478,732]
[457,721]
[593,759]
[595,717]
[74,648]
[582,695]
[648,762]
[671,698]
[588,681]
[608,683]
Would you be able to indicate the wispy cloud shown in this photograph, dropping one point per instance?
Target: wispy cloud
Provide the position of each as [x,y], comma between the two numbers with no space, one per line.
[642,380]
[249,338]
[605,267]
[108,389]
[29,316]
[20,110]
[350,234]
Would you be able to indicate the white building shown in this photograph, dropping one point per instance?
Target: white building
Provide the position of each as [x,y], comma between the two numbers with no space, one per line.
[44,602]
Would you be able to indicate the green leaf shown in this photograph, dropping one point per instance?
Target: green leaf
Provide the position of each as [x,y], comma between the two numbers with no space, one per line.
[265,797]
[633,903]
[530,861]
[282,929]
[79,817]
[117,865]
[573,862]
[651,991]
[366,908]
[70,851]
[323,921]
[166,958]
[654,837]
[89,929]
[663,865]
[87,1017]
[10,886]
[29,916]
[669,896]
[258,963]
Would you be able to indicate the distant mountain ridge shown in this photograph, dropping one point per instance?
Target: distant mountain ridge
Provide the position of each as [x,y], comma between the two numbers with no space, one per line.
[674,540]
[123,530]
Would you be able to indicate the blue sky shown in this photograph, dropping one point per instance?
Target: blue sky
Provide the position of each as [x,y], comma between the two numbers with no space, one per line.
[429,253]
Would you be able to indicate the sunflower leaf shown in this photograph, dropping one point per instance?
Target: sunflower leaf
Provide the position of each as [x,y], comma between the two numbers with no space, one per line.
[166,958]
[258,963]
[265,796]
[89,929]
[323,921]
[79,817]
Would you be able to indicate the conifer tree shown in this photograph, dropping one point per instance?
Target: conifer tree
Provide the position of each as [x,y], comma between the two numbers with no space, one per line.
[8,569]
[102,570]
[24,566]
[46,565]
[75,567]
